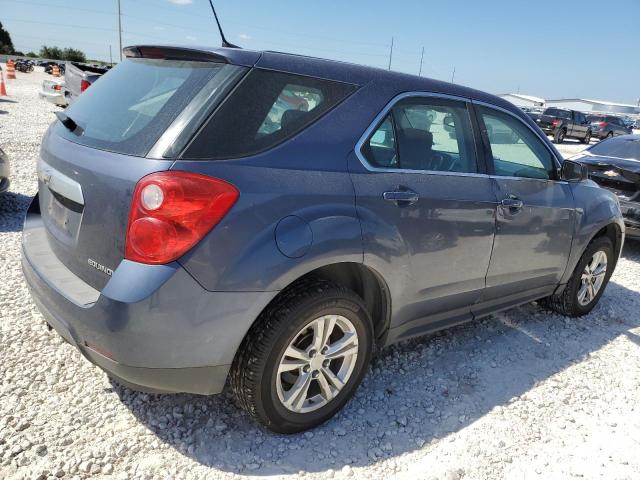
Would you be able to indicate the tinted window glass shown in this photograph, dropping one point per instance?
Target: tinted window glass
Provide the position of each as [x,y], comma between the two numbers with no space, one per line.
[264,110]
[424,134]
[128,108]
[515,149]
[554,112]
[381,150]
[621,147]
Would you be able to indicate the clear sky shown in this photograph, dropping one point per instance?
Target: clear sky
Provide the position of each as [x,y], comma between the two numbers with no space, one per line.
[546,48]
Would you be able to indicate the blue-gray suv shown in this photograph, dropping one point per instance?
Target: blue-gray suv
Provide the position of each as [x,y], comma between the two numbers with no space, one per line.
[207,215]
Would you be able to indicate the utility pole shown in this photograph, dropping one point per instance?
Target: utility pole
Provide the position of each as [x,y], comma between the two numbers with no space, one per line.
[453,75]
[390,53]
[110,56]
[421,59]
[120,29]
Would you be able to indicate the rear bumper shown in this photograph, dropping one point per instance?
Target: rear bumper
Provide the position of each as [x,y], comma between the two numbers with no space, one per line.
[599,134]
[154,328]
[55,98]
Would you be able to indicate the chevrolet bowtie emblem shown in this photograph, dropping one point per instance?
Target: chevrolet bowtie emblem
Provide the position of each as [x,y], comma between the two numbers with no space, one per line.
[611,173]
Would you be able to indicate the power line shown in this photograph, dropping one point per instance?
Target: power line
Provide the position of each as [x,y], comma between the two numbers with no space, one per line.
[40,4]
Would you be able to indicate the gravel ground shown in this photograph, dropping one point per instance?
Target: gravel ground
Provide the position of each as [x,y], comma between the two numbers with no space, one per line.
[524,394]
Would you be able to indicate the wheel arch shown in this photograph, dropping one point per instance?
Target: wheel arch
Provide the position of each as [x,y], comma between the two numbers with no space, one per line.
[363,280]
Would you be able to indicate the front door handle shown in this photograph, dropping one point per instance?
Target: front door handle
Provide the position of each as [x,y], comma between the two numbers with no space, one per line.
[512,203]
[401,197]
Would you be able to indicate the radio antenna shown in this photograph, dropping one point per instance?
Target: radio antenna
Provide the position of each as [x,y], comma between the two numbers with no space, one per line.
[224,40]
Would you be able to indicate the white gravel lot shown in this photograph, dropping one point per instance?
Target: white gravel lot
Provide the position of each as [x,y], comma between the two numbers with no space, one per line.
[525,394]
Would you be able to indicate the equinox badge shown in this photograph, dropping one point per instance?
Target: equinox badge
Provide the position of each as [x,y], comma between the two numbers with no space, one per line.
[99,267]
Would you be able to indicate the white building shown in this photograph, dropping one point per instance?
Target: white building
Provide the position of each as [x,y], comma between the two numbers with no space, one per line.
[520,100]
[601,106]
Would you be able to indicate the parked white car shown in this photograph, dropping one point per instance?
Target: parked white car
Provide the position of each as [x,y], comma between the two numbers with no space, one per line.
[53,91]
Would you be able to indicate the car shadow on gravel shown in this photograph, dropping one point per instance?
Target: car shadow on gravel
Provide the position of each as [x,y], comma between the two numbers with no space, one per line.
[12,209]
[415,393]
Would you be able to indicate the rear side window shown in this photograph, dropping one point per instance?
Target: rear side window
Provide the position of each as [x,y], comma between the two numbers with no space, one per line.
[424,133]
[128,109]
[266,109]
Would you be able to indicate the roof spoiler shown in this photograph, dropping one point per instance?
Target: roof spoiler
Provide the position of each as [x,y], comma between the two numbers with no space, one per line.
[173,53]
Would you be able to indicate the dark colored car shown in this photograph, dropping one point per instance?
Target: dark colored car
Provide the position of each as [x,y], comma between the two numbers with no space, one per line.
[607,126]
[272,219]
[614,164]
[4,172]
[562,123]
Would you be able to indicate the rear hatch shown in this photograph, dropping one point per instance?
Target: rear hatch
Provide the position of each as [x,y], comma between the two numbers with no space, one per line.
[91,161]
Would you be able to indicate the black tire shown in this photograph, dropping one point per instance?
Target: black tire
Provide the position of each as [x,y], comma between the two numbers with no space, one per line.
[559,136]
[254,372]
[609,135]
[566,303]
[587,138]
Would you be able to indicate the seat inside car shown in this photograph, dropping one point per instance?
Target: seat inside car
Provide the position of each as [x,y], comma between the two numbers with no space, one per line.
[415,147]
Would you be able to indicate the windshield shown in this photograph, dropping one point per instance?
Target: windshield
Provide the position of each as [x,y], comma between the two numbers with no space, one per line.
[627,146]
[129,108]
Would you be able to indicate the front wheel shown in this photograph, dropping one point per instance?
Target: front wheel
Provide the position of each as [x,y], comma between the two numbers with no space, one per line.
[587,284]
[304,358]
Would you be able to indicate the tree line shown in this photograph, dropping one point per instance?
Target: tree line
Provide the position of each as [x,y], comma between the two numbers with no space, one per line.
[53,53]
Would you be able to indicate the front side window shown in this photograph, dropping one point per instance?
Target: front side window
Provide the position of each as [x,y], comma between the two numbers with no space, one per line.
[516,151]
[265,109]
[424,133]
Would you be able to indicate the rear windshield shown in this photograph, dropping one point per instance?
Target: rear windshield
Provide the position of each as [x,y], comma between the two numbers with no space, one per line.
[627,146]
[555,112]
[266,109]
[128,108]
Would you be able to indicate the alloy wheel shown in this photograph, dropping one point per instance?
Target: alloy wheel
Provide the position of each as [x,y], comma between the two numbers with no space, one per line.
[317,363]
[592,278]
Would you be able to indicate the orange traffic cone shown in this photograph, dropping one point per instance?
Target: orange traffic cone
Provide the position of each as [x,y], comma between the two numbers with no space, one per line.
[3,89]
[11,70]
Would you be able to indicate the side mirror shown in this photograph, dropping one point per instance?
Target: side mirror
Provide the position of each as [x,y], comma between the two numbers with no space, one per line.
[573,171]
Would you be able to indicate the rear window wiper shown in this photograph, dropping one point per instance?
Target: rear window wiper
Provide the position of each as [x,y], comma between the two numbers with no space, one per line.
[69,123]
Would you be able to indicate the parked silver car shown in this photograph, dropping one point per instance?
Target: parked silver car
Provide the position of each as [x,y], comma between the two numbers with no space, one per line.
[4,172]
[53,91]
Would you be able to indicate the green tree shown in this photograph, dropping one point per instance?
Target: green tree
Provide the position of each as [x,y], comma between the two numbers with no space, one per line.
[31,55]
[53,53]
[74,55]
[6,45]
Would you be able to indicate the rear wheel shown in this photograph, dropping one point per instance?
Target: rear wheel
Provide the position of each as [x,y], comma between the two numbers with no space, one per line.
[304,358]
[587,284]
[587,138]
[559,136]
[609,135]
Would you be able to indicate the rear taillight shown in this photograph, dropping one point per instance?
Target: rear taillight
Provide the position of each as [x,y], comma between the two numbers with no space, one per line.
[172,211]
[603,124]
[84,84]
[556,122]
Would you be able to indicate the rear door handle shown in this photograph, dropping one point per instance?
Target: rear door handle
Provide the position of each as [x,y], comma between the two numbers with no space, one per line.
[401,197]
[512,203]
